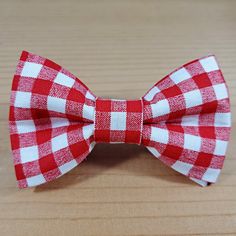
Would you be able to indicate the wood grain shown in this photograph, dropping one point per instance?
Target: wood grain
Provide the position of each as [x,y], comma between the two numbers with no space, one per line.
[119,49]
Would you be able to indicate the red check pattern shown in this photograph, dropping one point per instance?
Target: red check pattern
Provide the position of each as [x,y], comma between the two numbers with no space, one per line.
[118,121]
[51,120]
[187,120]
[55,120]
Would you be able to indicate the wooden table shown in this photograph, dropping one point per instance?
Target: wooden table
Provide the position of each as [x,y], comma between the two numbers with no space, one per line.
[119,49]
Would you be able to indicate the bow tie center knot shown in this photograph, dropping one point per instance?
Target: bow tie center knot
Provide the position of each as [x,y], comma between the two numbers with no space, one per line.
[118,121]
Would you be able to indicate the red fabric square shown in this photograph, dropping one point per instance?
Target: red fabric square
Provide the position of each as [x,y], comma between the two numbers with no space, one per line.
[204,159]
[173,152]
[134,106]
[202,80]
[176,114]
[175,128]
[24,56]
[47,163]
[76,96]
[37,113]
[52,64]
[102,136]
[43,136]
[15,143]
[15,82]
[172,91]
[19,172]
[209,107]
[42,87]
[132,136]
[207,132]
[103,105]
[12,113]
[78,148]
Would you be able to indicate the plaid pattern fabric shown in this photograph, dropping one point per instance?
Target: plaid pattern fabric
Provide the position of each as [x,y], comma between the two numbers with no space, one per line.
[51,120]
[118,121]
[55,120]
[187,120]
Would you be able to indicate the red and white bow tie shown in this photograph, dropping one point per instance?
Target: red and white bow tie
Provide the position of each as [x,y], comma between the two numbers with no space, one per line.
[55,120]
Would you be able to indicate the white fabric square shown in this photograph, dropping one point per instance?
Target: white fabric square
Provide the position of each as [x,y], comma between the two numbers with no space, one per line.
[91,146]
[88,131]
[180,75]
[160,108]
[222,119]
[89,96]
[64,80]
[199,181]
[118,120]
[59,122]
[209,64]
[56,104]
[35,180]
[59,142]
[159,135]
[25,126]
[182,167]
[211,175]
[154,151]
[220,147]
[150,95]
[220,91]
[68,166]
[23,99]
[28,154]
[88,112]
[193,98]
[190,120]
[192,142]
[31,69]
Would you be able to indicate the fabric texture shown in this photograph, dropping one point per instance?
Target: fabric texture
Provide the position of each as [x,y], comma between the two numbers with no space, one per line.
[118,121]
[55,120]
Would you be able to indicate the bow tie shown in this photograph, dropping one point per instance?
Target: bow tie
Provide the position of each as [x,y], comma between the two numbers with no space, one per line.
[55,120]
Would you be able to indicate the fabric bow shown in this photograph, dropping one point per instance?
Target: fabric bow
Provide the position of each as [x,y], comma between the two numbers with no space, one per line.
[55,120]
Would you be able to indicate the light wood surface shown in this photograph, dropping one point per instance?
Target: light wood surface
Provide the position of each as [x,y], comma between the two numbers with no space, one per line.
[119,49]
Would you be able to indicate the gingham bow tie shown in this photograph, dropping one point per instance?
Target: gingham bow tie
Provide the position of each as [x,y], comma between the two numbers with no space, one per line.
[55,120]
